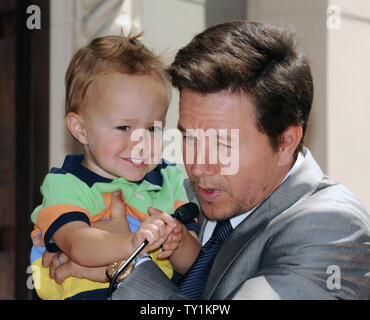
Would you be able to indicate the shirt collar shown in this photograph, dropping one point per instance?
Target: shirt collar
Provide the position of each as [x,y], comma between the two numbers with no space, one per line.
[73,164]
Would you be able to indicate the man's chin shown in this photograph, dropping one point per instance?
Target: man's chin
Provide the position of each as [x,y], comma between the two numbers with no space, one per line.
[214,211]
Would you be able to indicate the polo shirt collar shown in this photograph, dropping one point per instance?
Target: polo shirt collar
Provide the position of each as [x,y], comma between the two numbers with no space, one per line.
[73,164]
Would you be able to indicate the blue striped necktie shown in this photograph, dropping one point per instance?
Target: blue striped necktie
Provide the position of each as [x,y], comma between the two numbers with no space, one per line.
[194,280]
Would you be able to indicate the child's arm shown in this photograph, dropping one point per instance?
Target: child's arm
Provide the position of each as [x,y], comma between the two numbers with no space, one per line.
[92,247]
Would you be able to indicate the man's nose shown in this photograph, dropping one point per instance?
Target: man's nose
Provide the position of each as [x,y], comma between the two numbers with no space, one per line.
[206,169]
[204,164]
[204,161]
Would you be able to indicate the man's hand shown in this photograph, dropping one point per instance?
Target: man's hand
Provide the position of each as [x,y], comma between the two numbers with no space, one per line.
[68,268]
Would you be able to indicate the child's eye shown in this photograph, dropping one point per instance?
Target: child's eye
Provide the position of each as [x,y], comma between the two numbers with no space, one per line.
[123,128]
[155,129]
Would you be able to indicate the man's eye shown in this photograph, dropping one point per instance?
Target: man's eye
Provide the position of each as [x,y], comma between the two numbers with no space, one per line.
[123,128]
[189,139]
[224,145]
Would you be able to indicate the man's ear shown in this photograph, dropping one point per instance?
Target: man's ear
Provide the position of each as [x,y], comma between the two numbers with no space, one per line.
[76,126]
[289,142]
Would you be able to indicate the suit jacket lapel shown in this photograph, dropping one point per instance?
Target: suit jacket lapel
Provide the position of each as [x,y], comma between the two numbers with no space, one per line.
[296,187]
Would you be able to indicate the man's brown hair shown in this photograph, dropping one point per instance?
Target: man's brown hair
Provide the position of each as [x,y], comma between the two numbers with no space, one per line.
[260,59]
[124,54]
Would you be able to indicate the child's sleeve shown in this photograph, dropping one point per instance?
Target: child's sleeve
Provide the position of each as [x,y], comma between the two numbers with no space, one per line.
[65,199]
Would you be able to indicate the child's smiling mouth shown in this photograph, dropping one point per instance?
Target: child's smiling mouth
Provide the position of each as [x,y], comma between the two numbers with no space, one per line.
[137,163]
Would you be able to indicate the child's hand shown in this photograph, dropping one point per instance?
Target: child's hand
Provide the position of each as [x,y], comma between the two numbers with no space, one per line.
[173,241]
[118,212]
[155,229]
[118,221]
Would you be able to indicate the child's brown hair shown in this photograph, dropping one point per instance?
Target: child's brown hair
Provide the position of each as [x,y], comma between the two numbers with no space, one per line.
[124,54]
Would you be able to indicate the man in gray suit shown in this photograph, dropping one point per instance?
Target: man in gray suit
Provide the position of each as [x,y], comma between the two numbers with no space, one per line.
[296,234]
[288,231]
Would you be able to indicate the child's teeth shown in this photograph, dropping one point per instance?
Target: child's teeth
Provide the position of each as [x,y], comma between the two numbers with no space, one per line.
[136,161]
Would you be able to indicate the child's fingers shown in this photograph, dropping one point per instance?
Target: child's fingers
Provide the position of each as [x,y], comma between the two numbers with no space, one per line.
[177,229]
[158,229]
[170,246]
[176,237]
[118,207]
[157,215]
[161,215]
[164,254]
[157,225]
[153,234]
[153,211]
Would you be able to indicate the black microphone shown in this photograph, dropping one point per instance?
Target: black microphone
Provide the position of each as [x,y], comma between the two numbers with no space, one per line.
[185,214]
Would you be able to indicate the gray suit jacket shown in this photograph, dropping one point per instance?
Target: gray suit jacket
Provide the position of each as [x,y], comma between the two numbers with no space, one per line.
[310,239]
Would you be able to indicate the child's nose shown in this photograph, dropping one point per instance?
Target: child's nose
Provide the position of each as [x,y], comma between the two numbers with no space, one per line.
[140,143]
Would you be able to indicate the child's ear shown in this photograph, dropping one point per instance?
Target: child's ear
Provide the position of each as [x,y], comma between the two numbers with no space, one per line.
[76,126]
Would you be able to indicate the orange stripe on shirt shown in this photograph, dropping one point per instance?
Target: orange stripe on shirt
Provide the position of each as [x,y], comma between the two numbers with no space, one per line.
[46,216]
[106,213]
[178,203]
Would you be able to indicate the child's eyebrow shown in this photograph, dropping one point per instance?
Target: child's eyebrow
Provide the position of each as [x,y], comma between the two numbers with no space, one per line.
[129,121]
